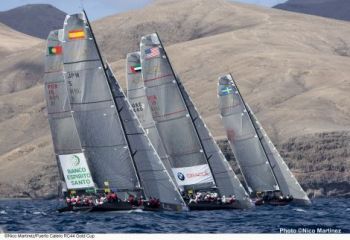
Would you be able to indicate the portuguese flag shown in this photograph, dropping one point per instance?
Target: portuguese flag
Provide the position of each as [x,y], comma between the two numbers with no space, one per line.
[136,68]
[76,34]
[57,50]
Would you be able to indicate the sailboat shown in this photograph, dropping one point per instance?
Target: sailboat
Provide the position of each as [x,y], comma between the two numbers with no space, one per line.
[120,156]
[266,175]
[74,172]
[196,161]
[136,93]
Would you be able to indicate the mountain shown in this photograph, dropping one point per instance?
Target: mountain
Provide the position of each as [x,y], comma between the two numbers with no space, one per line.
[33,19]
[292,70]
[337,9]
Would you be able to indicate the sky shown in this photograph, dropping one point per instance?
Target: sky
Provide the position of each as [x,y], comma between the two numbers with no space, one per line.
[100,8]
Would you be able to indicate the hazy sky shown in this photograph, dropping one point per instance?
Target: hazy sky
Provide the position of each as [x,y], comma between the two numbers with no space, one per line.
[100,8]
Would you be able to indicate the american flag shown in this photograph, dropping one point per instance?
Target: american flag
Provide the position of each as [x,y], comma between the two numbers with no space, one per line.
[152,52]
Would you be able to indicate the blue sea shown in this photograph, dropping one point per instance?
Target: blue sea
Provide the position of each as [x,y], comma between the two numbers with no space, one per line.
[40,216]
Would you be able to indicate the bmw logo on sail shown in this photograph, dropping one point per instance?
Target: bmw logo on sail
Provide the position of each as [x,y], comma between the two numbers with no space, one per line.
[180,176]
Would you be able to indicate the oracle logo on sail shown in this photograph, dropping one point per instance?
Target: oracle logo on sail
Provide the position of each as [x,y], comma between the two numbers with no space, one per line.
[198,174]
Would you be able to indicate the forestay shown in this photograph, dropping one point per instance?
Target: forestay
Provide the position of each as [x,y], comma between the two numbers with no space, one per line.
[286,180]
[172,118]
[243,139]
[71,161]
[94,111]
[137,97]
[154,177]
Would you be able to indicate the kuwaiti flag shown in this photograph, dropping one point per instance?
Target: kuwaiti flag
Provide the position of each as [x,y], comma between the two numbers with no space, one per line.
[56,50]
[136,68]
[76,34]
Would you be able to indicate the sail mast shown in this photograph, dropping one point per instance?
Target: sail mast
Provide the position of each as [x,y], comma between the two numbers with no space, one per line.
[192,120]
[256,131]
[105,73]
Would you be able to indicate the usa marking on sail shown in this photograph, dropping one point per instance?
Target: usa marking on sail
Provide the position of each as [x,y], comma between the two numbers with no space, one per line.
[56,50]
[152,52]
[136,68]
[76,34]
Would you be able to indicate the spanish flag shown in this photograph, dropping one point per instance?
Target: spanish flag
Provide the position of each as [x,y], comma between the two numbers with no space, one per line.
[56,50]
[76,34]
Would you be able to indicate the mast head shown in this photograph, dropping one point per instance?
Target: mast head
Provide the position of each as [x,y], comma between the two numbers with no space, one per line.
[150,39]
[226,80]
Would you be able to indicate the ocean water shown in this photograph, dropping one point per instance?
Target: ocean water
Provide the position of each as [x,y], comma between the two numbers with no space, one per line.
[33,216]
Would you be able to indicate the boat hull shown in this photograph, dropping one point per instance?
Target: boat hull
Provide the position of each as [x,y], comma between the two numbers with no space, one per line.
[204,206]
[283,202]
[107,207]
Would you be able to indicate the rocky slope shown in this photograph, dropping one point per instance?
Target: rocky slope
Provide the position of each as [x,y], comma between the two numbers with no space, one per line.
[319,161]
[292,69]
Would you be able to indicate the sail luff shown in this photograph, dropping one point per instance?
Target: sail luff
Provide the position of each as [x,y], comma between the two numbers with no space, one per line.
[118,109]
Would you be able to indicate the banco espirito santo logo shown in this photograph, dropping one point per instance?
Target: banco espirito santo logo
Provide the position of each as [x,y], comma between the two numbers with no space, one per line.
[180,176]
[75,160]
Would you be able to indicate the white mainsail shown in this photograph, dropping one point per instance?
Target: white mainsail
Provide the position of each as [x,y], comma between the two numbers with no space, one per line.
[72,163]
[136,94]
[93,109]
[260,163]
[112,137]
[244,140]
[196,160]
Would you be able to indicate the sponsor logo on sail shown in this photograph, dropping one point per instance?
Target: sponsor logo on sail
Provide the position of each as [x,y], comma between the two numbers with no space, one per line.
[180,176]
[75,160]
[197,174]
